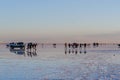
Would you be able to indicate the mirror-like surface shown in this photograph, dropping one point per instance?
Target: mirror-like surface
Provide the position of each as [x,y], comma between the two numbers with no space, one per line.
[55,62]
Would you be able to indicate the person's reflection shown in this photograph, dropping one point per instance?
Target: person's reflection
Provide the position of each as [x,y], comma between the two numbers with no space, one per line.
[32,53]
[76,51]
[69,51]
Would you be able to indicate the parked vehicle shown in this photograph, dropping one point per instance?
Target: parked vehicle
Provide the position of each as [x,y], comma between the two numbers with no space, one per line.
[13,45]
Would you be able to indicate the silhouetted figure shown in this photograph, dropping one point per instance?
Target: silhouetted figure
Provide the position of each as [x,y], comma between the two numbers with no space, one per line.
[69,45]
[75,45]
[80,45]
[34,45]
[80,48]
[65,45]
[85,45]
[65,48]
[118,45]
[54,45]
[95,44]
[31,46]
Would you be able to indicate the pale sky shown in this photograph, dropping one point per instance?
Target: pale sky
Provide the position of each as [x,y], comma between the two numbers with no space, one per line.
[60,20]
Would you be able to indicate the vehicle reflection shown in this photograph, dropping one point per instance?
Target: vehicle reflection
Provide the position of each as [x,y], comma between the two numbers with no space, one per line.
[18,51]
[23,52]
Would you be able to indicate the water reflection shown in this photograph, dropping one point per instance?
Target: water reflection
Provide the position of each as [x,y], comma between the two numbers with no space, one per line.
[69,48]
[18,51]
[29,53]
[76,48]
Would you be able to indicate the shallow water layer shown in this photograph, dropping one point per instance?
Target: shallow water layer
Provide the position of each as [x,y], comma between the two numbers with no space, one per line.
[53,64]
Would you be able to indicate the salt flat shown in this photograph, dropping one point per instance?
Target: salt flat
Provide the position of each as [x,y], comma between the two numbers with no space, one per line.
[54,64]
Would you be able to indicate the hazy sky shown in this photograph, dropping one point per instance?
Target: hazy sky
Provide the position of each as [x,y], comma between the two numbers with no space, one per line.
[59,20]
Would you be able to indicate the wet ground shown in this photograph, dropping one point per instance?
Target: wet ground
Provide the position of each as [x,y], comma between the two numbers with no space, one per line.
[48,63]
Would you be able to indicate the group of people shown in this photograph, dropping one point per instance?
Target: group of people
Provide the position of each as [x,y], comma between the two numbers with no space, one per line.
[69,47]
[31,46]
[31,49]
[74,47]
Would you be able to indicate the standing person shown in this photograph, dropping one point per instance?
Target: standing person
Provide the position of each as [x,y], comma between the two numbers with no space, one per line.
[76,47]
[65,48]
[54,45]
[34,46]
[65,45]
[118,45]
[80,47]
[28,46]
[94,44]
[69,45]
[85,45]
[70,50]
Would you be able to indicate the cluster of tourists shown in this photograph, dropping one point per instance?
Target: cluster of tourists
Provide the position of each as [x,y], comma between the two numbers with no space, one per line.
[31,46]
[75,47]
